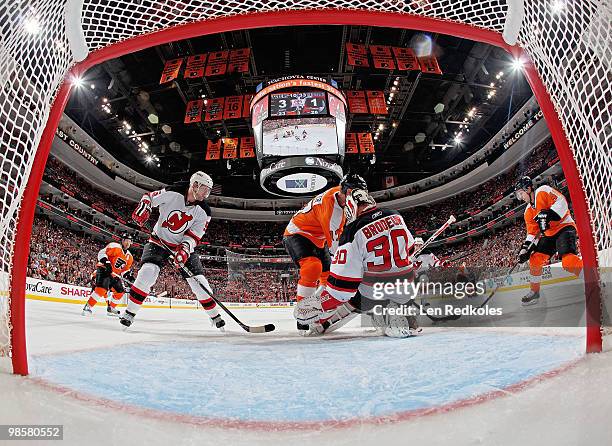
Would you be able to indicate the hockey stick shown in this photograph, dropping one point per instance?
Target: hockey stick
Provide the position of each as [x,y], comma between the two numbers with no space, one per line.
[250,328]
[434,236]
[499,285]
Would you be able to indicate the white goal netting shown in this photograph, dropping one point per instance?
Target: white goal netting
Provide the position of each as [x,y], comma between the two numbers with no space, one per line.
[569,42]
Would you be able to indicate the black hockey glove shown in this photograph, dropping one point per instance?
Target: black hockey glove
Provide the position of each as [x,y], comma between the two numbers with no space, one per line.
[129,276]
[544,217]
[106,264]
[526,249]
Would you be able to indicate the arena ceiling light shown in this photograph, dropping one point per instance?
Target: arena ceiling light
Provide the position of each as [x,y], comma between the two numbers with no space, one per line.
[517,64]
[153,118]
[77,81]
[31,25]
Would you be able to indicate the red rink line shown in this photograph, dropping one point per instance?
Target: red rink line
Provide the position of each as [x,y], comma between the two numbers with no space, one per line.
[284,426]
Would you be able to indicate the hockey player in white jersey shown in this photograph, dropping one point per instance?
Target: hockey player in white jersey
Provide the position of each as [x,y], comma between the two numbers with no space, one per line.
[183,219]
[374,249]
[426,260]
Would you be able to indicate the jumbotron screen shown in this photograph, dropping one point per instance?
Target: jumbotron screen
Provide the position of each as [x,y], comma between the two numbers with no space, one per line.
[300,136]
[306,103]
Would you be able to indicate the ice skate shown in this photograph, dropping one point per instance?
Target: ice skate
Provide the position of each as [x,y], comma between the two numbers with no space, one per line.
[87,311]
[531,298]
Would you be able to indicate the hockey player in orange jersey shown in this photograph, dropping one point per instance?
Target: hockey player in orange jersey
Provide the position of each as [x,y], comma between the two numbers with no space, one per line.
[114,262]
[309,237]
[550,230]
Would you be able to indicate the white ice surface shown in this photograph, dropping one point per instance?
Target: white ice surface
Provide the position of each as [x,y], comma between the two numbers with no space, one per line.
[573,408]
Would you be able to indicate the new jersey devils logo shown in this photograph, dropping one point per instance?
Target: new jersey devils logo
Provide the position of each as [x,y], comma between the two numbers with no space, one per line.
[177,221]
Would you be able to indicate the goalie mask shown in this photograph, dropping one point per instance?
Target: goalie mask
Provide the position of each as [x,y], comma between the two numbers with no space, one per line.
[354,200]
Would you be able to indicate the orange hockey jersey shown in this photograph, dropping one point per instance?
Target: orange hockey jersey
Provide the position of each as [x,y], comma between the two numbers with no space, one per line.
[320,221]
[547,198]
[121,260]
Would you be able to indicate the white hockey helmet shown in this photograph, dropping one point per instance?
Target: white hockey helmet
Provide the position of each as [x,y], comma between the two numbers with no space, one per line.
[419,241]
[356,198]
[203,179]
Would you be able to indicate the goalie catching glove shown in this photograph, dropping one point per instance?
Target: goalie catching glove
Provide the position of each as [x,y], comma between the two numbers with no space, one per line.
[181,254]
[142,213]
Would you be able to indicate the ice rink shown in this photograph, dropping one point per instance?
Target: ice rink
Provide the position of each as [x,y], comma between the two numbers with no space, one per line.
[173,379]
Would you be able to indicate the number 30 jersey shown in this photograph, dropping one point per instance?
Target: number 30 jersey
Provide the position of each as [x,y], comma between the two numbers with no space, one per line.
[375,248]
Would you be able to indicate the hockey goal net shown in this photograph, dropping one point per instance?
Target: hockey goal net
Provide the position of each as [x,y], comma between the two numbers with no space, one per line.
[566,47]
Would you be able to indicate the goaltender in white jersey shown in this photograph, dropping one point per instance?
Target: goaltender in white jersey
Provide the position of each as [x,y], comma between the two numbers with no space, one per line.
[183,219]
[374,249]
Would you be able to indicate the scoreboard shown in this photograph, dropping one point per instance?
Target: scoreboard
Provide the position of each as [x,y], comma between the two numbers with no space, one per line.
[310,103]
[299,125]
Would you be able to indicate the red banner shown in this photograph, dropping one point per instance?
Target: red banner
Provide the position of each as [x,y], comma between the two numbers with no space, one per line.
[194,111]
[351,143]
[213,150]
[233,107]
[406,59]
[246,110]
[195,66]
[247,147]
[214,111]
[366,144]
[217,63]
[357,101]
[382,57]
[376,102]
[171,70]
[429,64]
[357,55]
[239,61]
[230,146]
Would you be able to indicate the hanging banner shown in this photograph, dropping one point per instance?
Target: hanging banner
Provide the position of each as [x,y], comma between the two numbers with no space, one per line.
[247,147]
[214,110]
[357,55]
[366,144]
[239,61]
[357,101]
[406,59]
[233,107]
[376,102]
[429,64]
[246,105]
[217,63]
[171,70]
[351,143]
[195,66]
[382,57]
[230,146]
[213,150]
[194,111]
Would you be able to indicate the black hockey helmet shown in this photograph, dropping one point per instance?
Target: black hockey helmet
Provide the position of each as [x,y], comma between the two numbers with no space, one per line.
[523,183]
[353,181]
[127,236]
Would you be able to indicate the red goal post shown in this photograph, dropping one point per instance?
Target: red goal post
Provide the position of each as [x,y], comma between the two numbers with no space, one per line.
[564,49]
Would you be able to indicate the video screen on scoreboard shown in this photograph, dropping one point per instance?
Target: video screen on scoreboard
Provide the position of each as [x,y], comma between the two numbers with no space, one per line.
[301,136]
[306,103]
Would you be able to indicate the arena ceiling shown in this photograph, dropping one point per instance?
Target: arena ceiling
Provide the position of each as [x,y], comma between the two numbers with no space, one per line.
[414,140]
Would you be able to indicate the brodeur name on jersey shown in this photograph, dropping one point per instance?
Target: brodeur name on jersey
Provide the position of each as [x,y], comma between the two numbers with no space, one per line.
[374,248]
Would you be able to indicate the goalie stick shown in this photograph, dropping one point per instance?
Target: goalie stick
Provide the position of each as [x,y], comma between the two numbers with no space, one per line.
[250,328]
